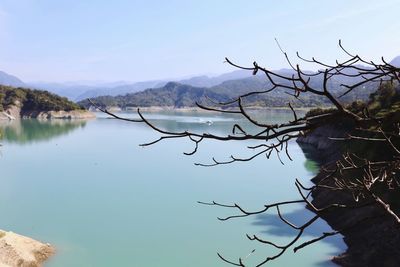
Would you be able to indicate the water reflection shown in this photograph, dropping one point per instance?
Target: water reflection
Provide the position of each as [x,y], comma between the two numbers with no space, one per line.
[318,157]
[311,166]
[31,130]
[210,122]
[127,176]
[274,226]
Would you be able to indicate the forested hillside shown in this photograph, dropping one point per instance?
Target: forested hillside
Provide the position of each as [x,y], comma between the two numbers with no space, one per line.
[180,95]
[33,100]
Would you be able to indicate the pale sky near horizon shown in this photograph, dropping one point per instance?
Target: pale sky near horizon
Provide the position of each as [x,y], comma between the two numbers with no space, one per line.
[65,40]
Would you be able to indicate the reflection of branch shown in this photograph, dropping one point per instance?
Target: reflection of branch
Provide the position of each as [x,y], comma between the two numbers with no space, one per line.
[300,229]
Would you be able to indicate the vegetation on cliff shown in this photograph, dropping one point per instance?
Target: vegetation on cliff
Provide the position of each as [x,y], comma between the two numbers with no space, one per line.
[360,176]
[33,100]
[369,138]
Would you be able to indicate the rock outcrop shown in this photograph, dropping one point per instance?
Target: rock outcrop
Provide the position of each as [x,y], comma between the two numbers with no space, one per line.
[15,112]
[321,142]
[17,250]
[12,113]
[372,237]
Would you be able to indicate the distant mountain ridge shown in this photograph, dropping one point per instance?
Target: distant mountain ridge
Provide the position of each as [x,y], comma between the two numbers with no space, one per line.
[238,80]
[206,81]
[177,95]
[396,62]
[120,90]
[10,80]
[81,90]
[76,91]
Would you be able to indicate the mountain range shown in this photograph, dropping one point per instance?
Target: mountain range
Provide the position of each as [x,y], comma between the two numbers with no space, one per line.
[178,95]
[223,87]
[10,80]
[77,91]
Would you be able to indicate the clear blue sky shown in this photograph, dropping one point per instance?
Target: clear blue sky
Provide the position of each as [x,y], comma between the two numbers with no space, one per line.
[65,40]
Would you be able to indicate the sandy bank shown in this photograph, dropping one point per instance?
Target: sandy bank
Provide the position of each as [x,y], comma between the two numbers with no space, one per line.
[21,251]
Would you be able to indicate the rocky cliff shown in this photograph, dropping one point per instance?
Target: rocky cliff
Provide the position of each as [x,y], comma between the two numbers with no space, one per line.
[322,144]
[18,102]
[372,237]
[15,112]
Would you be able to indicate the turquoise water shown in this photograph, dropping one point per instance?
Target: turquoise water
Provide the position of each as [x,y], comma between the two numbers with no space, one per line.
[101,200]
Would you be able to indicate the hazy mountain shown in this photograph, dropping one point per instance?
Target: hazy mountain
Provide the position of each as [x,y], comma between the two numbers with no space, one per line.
[239,81]
[206,81]
[175,94]
[78,90]
[10,80]
[179,95]
[96,83]
[83,89]
[63,89]
[396,62]
[197,81]
[119,90]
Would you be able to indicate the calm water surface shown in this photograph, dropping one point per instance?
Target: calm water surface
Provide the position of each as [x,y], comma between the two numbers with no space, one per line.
[101,200]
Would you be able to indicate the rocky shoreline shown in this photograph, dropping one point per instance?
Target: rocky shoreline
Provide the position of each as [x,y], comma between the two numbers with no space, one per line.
[370,242]
[14,112]
[21,251]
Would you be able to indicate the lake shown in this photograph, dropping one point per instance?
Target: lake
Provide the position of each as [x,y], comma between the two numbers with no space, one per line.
[90,190]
